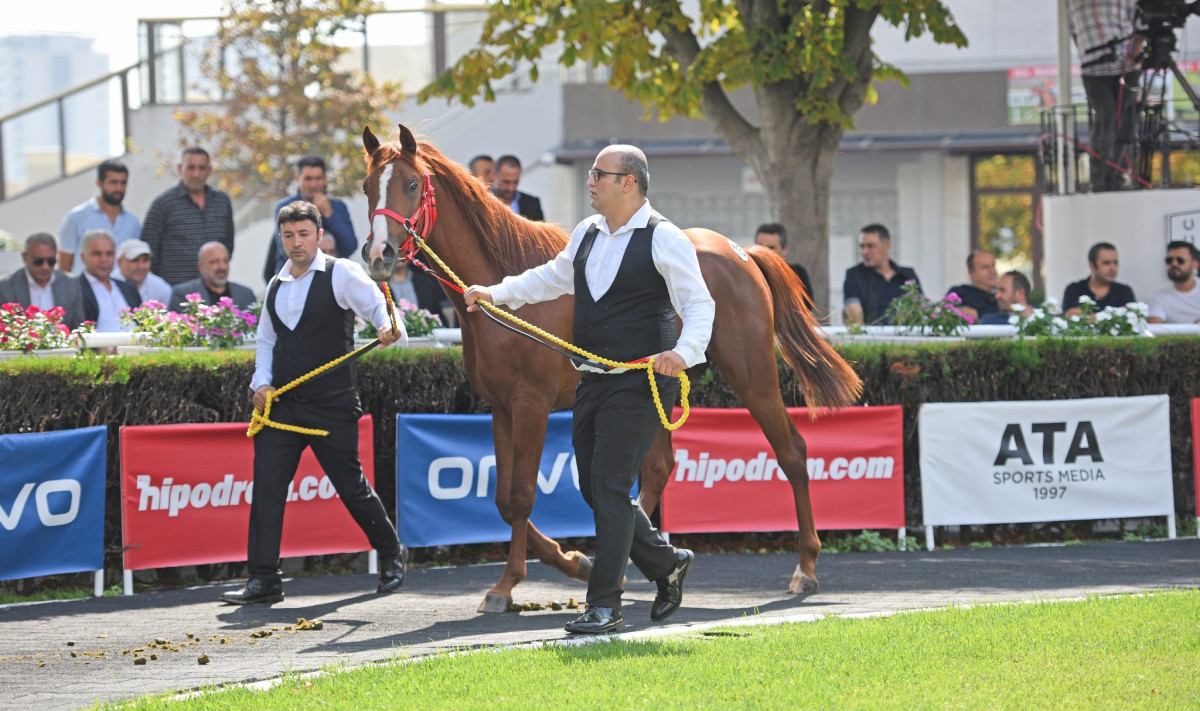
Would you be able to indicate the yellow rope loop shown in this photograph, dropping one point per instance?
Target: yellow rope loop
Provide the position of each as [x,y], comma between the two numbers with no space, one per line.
[685,386]
[262,418]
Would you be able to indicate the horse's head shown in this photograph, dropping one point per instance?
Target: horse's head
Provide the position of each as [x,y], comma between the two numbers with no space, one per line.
[400,199]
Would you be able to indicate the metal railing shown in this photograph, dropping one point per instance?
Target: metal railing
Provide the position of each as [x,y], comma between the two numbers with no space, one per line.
[170,58]
[1164,152]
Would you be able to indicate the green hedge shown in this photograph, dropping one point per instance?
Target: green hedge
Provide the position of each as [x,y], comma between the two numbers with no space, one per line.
[38,395]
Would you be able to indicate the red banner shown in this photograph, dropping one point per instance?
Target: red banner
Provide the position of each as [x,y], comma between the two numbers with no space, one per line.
[726,477]
[186,491]
[1196,449]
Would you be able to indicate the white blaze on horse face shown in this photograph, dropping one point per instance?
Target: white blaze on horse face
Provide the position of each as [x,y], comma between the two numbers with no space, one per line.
[379,224]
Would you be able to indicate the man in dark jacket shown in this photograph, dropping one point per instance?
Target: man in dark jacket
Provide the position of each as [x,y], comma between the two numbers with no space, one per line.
[876,281]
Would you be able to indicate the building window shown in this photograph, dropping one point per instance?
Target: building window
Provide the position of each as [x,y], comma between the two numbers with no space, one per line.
[1004,198]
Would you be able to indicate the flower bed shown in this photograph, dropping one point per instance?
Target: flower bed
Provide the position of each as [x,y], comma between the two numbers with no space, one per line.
[222,325]
[31,329]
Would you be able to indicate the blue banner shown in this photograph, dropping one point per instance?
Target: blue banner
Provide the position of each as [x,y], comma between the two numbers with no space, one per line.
[52,502]
[446,482]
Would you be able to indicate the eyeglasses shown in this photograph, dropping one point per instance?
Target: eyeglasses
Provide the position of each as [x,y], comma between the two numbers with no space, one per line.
[1177,260]
[597,174]
[39,261]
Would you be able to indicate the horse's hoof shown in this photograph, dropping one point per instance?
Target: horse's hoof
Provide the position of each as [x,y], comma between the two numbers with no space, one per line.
[494,603]
[585,569]
[802,584]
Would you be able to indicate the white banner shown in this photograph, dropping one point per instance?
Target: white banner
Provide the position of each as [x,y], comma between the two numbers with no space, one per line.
[1047,460]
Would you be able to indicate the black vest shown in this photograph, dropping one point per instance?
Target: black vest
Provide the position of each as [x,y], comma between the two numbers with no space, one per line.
[634,318]
[324,332]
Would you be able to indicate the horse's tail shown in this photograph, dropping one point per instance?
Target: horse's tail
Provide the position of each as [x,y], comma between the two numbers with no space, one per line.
[825,378]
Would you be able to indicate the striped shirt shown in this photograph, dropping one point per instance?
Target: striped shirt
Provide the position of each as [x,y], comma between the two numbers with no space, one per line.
[176,228]
[1094,23]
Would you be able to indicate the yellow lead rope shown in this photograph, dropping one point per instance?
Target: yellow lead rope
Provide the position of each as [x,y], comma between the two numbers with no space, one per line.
[685,385]
[262,418]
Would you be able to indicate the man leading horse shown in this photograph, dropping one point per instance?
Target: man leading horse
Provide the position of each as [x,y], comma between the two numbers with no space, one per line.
[631,271]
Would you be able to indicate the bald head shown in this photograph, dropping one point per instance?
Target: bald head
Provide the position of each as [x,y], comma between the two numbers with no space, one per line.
[214,265]
[631,160]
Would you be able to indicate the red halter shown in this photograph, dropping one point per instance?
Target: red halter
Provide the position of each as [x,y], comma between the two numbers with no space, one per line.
[425,214]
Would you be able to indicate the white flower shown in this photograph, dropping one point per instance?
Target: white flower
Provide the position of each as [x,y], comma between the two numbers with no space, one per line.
[1061,324]
[1014,320]
[1133,319]
[1018,308]
[1139,307]
[1115,331]
[1085,300]
[1103,316]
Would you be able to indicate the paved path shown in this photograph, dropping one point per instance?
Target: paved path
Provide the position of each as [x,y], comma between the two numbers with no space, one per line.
[436,610]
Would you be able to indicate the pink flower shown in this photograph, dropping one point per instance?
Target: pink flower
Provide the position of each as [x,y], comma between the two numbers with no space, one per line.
[954,298]
[226,302]
[194,298]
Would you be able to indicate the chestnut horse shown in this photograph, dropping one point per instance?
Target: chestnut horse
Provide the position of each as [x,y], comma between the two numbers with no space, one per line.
[759,301]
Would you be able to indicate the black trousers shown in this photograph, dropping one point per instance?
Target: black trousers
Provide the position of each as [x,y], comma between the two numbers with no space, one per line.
[614,424]
[276,456]
[1110,102]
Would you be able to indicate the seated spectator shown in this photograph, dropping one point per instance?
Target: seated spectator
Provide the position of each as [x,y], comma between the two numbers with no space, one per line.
[876,281]
[1180,302]
[401,284]
[213,282]
[38,284]
[773,236]
[103,296]
[1013,290]
[103,212]
[133,266]
[1102,286]
[978,297]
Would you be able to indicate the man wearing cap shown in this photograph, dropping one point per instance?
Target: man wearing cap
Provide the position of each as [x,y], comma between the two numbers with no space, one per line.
[213,282]
[133,267]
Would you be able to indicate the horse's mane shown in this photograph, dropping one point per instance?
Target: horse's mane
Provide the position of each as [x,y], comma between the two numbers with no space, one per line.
[510,242]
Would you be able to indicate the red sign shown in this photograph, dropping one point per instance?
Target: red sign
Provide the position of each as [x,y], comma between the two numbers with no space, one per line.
[186,492]
[726,477]
[1196,449]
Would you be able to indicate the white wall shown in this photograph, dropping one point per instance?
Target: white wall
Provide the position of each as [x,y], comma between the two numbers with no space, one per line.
[1135,222]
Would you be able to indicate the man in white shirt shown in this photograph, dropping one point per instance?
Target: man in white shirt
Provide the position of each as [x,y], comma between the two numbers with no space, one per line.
[631,271]
[1180,302]
[133,266]
[308,321]
[103,296]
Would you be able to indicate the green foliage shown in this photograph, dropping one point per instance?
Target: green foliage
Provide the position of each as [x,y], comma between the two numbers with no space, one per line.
[918,314]
[862,542]
[274,62]
[667,55]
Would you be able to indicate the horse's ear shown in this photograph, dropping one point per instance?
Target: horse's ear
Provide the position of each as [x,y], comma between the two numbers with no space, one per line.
[407,142]
[370,142]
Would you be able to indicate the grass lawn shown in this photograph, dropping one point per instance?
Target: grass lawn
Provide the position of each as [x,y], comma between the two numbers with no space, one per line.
[1119,652]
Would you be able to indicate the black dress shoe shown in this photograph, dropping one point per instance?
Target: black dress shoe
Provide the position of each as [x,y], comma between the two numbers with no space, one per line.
[255,591]
[670,588]
[391,575]
[597,620]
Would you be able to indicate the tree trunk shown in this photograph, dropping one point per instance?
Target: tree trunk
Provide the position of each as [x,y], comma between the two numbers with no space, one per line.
[797,172]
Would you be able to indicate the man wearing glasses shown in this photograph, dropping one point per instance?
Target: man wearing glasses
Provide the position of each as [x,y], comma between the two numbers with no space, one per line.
[1180,302]
[38,284]
[631,272]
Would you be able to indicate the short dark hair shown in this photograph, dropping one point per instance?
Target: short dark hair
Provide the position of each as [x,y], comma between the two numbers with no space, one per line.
[1094,252]
[298,211]
[110,166]
[193,151]
[482,156]
[1181,244]
[40,238]
[971,258]
[1020,281]
[773,228]
[508,160]
[310,162]
[878,230]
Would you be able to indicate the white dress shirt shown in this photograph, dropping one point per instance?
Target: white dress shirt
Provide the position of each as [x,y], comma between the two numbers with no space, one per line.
[352,289]
[41,296]
[674,257]
[111,301]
